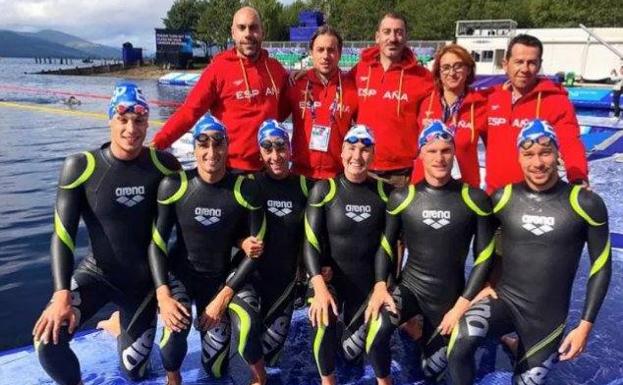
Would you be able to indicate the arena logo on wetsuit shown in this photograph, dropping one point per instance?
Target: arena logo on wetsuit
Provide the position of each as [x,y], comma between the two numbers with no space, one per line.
[130,196]
[537,375]
[538,225]
[358,213]
[207,216]
[136,353]
[279,208]
[215,339]
[436,218]
[477,318]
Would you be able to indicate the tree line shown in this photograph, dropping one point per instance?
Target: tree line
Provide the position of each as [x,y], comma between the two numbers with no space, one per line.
[210,20]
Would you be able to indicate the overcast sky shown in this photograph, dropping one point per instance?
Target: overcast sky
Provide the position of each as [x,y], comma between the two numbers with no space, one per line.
[109,22]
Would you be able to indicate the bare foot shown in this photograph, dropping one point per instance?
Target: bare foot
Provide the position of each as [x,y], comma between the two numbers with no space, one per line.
[413,327]
[511,343]
[328,380]
[111,325]
[258,371]
[174,378]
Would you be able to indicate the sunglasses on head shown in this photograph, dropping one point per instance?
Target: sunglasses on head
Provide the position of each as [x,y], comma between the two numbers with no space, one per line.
[542,140]
[365,141]
[218,139]
[136,108]
[277,144]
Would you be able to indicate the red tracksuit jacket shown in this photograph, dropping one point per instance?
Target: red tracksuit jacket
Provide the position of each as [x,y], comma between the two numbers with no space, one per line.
[388,104]
[334,106]
[547,101]
[239,92]
[469,124]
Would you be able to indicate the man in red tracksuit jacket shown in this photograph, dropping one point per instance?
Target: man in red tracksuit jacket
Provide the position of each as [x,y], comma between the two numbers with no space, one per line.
[241,87]
[391,85]
[524,97]
[323,103]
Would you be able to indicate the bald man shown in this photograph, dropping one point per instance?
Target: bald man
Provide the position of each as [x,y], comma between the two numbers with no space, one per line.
[241,87]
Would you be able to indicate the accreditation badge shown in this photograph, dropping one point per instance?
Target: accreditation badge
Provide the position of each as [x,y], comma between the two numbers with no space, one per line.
[319,140]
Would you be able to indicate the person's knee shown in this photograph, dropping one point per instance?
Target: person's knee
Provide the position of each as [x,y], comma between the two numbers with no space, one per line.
[173,347]
[379,334]
[134,353]
[58,360]
[436,363]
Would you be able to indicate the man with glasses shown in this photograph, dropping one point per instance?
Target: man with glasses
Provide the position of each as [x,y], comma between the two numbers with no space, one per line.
[242,87]
[545,224]
[524,97]
[113,189]
[391,85]
[323,102]
[438,218]
[212,211]
[343,224]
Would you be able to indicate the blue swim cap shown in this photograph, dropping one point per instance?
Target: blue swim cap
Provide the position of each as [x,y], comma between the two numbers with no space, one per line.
[271,127]
[127,97]
[360,132]
[435,130]
[536,129]
[208,123]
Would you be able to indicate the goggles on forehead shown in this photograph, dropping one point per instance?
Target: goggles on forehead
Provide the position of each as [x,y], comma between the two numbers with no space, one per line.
[354,139]
[217,138]
[278,144]
[542,140]
[446,137]
[135,108]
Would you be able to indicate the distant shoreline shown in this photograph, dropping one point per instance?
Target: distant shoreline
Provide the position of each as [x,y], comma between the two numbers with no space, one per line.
[148,71]
[145,71]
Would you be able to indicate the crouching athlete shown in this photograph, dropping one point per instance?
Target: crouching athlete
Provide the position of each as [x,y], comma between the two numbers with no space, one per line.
[212,210]
[284,196]
[113,189]
[438,218]
[545,224]
[343,224]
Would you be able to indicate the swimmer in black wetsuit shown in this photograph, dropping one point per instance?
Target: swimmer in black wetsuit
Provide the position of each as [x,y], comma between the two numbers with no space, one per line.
[284,196]
[438,218]
[343,224]
[212,210]
[545,223]
[113,189]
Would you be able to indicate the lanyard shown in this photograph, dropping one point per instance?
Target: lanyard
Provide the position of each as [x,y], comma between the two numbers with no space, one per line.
[335,105]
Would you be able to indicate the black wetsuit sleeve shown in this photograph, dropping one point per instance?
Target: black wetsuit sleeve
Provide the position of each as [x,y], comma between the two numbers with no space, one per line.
[385,258]
[314,225]
[251,200]
[169,161]
[484,243]
[165,221]
[599,251]
[69,202]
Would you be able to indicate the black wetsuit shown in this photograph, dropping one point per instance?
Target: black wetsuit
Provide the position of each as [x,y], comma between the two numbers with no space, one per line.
[438,224]
[210,218]
[117,201]
[284,201]
[343,226]
[544,233]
